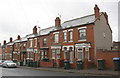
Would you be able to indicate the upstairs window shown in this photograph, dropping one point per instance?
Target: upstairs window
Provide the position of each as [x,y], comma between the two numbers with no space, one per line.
[56,38]
[70,35]
[35,42]
[65,36]
[82,34]
[30,43]
[44,41]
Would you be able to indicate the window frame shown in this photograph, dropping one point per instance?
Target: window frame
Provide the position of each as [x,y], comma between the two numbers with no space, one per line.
[80,52]
[81,31]
[44,41]
[70,36]
[56,38]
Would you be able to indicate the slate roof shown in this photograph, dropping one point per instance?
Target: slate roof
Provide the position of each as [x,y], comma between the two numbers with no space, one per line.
[79,21]
[10,43]
[67,24]
[71,23]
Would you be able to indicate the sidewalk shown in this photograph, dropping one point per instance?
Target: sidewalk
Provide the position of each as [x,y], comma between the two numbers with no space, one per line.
[84,71]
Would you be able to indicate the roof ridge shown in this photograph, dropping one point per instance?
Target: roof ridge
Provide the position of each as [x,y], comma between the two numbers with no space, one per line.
[78,18]
[47,28]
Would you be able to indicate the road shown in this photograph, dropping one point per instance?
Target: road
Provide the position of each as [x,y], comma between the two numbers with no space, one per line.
[33,72]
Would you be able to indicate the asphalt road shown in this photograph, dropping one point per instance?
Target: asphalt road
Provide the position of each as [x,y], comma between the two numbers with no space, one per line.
[33,72]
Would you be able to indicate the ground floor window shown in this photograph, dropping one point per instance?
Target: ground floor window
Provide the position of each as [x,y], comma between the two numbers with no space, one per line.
[53,54]
[71,55]
[65,52]
[87,54]
[80,53]
[44,54]
[30,54]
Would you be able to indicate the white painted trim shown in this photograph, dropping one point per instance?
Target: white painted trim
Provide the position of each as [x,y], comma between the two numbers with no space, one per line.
[65,31]
[35,38]
[70,30]
[56,33]
[30,39]
[82,40]
[82,53]
[68,47]
[82,27]
[70,41]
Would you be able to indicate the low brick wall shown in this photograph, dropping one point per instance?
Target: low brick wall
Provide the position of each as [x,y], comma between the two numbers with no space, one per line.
[108,57]
[46,64]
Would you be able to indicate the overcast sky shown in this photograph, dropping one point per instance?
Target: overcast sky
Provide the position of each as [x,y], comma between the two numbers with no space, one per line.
[18,17]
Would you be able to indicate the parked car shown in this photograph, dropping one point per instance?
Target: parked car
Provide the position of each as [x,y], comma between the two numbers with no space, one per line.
[9,63]
[1,61]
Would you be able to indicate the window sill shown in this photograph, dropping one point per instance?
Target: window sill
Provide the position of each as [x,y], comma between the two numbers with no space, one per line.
[70,41]
[82,40]
[71,62]
[64,41]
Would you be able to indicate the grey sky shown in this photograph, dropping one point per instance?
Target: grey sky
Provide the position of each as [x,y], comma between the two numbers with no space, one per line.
[18,17]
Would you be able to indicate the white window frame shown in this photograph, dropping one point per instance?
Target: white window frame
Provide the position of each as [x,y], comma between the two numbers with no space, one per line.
[71,55]
[78,52]
[53,52]
[56,38]
[82,28]
[88,55]
[44,41]
[70,40]
[35,42]
[31,42]
[65,36]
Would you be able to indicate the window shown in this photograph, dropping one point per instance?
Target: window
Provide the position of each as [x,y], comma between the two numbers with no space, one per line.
[80,53]
[56,38]
[53,54]
[44,41]
[82,34]
[65,51]
[16,45]
[87,53]
[70,36]
[30,55]
[71,54]
[35,42]
[65,36]
[30,43]
[42,55]
[24,46]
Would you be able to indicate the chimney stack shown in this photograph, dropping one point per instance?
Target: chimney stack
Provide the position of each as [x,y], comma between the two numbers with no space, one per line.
[57,22]
[10,39]
[18,37]
[4,42]
[35,30]
[96,12]
[106,16]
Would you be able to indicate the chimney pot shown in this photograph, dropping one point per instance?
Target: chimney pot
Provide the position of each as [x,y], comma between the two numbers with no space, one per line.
[10,39]
[57,21]
[35,30]
[96,12]
[18,37]
[4,42]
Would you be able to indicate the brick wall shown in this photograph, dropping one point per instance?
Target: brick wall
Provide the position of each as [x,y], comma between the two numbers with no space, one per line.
[108,57]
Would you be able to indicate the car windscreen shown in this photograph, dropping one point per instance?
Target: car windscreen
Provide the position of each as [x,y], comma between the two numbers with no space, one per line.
[9,61]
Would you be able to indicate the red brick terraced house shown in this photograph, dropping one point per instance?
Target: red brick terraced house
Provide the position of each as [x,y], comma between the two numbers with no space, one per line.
[76,39]
[73,40]
[32,50]
[9,50]
[3,47]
